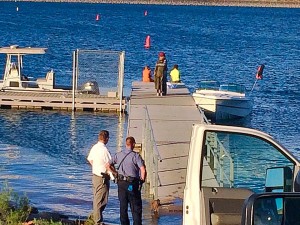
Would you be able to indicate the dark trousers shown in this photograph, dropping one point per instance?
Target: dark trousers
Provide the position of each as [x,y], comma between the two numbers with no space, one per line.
[132,196]
[164,85]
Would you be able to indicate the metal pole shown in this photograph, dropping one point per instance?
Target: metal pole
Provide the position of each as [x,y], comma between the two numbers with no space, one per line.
[19,70]
[73,82]
[121,78]
[77,68]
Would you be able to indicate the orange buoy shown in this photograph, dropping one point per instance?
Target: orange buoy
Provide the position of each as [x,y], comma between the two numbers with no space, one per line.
[97,17]
[145,13]
[147,42]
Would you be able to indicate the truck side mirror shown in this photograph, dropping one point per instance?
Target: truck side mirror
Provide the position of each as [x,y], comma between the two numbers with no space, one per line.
[276,208]
[279,179]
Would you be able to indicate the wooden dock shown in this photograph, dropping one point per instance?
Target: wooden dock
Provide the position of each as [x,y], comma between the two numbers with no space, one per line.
[171,118]
[60,101]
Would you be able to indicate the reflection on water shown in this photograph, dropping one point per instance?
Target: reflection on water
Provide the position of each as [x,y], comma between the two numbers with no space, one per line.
[44,155]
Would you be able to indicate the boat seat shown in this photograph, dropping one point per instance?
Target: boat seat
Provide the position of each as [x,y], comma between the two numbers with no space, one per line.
[48,82]
[13,73]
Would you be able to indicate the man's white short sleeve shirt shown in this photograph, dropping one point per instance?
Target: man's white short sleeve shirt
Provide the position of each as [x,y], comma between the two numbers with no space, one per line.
[100,155]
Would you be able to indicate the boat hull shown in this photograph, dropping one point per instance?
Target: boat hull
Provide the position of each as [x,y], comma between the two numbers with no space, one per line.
[222,107]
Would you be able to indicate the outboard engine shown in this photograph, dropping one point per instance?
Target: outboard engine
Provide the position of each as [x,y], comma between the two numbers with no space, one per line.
[90,87]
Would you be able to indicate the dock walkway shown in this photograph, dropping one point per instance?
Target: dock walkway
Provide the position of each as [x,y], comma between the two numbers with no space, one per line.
[171,118]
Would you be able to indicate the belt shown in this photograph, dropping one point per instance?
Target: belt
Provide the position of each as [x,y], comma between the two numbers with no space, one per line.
[103,175]
[128,179]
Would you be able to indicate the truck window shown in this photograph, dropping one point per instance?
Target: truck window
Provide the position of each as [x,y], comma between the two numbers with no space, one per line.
[240,160]
[275,209]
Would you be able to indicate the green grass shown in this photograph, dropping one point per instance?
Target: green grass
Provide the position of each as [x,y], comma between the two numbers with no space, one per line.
[15,209]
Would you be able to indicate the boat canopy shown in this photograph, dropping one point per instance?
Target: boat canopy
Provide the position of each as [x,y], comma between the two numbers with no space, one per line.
[16,50]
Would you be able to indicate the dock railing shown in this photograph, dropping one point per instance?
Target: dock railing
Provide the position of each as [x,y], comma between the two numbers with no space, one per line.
[217,157]
[151,155]
[220,161]
[205,120]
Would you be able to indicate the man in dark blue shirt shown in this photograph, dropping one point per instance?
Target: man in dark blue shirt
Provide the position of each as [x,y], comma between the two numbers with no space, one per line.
[131,174]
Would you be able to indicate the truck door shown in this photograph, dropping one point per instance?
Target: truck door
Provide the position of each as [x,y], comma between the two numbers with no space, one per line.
[226,165]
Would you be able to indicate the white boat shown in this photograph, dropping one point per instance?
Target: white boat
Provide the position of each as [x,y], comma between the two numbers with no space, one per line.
[224,101]
[14,78]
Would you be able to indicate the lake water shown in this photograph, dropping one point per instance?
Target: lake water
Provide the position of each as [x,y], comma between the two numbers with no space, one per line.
[44,153]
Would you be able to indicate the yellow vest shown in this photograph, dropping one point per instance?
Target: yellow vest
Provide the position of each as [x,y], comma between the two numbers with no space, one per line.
[175,76]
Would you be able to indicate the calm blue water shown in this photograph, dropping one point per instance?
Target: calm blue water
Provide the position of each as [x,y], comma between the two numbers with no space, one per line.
[43,153]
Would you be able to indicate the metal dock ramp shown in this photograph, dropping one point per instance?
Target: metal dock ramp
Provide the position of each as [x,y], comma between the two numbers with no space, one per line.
[163,126]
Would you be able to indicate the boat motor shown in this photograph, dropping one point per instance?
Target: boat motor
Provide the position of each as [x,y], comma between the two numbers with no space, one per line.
[90,87]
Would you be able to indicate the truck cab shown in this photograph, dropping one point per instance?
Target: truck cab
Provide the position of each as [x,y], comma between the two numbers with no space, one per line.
[229,165]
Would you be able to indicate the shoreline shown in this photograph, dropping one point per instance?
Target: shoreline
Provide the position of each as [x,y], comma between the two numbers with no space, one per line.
[225,3]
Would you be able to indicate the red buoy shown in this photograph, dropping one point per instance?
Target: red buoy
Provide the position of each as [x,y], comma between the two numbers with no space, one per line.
[147,42]
[97,17]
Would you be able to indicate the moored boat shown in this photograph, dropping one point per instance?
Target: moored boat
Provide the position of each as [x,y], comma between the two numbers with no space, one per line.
[226,101]
[14,78]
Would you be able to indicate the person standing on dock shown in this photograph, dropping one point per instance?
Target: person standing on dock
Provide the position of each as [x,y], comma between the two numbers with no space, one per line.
[160,74]
[131,176]
[98,157]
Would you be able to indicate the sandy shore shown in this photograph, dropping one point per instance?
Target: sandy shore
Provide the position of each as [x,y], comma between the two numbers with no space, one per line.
[241,3]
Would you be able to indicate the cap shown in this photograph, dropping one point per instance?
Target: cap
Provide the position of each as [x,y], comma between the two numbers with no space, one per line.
[161,54]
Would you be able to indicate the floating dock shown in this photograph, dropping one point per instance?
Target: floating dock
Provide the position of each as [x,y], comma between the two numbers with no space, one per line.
[20,91]
[162,127]
[60,101]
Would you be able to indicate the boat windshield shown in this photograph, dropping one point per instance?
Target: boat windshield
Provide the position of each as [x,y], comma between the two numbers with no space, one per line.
[233,88]
[209,85]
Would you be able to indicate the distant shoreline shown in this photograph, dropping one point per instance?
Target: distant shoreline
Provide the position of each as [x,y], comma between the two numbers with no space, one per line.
[229,3]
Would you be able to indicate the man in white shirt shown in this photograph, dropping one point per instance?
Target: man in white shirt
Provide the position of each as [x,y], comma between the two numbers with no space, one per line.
[98,157]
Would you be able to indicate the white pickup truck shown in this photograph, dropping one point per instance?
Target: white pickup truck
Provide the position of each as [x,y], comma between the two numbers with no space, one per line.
[239,176]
